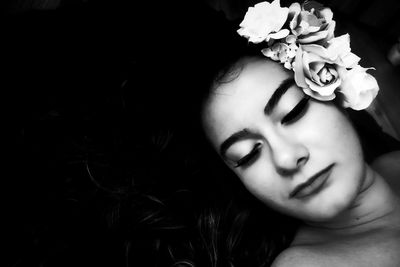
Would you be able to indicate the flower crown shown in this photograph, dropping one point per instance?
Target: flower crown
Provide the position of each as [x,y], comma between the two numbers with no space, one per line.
[301,37]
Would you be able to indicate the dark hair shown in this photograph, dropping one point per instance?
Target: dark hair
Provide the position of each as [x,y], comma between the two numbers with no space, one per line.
[227,226]
[233,227]
[186,207]
[120,173]
[239,230]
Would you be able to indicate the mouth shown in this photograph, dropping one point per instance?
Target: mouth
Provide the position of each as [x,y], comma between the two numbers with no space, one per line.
[313,184]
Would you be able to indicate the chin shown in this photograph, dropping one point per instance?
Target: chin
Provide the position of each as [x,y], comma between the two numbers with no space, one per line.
[320,214]
[332,206]
[329,214]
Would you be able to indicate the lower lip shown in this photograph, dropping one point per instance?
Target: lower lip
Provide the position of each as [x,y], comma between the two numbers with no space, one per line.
[315,187]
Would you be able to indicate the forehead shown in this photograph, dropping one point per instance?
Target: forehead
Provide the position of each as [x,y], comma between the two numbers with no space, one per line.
[234,105]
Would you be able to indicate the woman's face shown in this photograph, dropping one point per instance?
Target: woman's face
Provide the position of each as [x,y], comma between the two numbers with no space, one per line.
[297,155]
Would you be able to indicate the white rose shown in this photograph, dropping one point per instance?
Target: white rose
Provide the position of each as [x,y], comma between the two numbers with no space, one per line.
[318,76]
[262,20]
[311,22]
[318,69]
[338,51]
[359,88]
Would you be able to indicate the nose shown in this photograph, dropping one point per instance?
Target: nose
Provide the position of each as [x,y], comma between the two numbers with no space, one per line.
[288,155]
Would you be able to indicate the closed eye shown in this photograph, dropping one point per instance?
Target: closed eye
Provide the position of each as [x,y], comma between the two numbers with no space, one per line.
[297,112]
[249,158]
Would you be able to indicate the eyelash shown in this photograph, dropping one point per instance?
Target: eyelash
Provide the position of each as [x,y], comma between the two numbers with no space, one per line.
[246,159]
[297,112]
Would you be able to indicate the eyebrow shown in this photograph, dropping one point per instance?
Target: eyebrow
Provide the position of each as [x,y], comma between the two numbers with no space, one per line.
[271,104]
[276,96]
[243,134]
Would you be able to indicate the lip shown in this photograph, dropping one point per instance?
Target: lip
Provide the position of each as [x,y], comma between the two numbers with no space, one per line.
[313,184]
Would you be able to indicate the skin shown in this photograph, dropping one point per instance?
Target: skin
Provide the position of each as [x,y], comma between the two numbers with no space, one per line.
[354,220]
[291,153]
[388,166]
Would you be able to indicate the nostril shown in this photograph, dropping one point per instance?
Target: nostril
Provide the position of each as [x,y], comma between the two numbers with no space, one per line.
[289,157]
[301,161]
[286,172]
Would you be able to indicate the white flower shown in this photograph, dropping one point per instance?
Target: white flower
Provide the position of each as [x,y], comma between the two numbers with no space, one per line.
[337,52]
[318,69]
[317,75]
[322,63]
[311,22]
[359,88]
[263,20]
[339,47]
[284,53]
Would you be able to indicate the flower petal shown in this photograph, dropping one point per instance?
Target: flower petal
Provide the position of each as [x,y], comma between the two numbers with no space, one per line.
[268,52]
[331,30]
[310,5]
[350,60]
[294,11]
[318,66]
[317,96]
[279,35]
[339,46]
[262,19]
[359,88]
[306,64]
[325,90]
[299,76]
[291,39]
[327,14]
[288,65]
[294,8]
[311,38]
[315,49]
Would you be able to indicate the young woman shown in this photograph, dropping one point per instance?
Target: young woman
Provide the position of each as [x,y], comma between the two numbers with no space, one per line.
[277,121]
[303,158]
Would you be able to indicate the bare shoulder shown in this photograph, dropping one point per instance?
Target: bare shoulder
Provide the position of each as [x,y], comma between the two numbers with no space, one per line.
[299,257]
[388,165]
[387,159]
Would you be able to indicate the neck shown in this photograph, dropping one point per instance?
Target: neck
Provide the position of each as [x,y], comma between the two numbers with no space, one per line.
[374,207]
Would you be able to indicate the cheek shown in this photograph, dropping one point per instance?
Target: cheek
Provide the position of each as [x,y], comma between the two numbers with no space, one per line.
[337,142]
[262,181]
[330,133]
[344,139]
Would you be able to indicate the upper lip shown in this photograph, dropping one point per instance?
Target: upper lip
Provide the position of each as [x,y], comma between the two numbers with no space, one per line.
[301,186]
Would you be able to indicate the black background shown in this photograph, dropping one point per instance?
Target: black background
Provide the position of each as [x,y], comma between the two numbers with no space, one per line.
[77,83]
